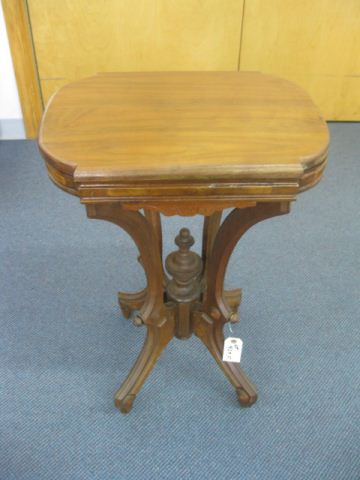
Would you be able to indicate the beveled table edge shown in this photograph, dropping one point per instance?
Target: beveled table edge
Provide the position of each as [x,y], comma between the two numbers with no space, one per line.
[271,184]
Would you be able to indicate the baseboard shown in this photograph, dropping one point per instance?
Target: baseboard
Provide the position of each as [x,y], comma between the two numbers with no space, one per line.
[11,129]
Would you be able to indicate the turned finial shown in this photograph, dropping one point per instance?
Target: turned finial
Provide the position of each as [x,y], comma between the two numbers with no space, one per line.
[185,267]
[184,240]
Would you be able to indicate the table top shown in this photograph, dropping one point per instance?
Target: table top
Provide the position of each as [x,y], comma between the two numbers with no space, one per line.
[183,134]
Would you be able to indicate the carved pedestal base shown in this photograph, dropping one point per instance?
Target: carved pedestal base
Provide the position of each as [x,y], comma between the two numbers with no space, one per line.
[193,299]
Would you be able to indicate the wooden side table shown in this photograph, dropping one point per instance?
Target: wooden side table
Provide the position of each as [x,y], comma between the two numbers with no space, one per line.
[183,143]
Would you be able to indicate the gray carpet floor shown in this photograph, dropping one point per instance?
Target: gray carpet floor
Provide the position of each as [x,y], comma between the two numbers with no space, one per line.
[65,348]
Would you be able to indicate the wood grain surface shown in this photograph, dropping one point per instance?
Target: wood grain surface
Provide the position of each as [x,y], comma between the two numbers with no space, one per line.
[197,135]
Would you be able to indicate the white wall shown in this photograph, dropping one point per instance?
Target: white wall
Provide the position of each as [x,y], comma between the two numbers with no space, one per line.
[11,124]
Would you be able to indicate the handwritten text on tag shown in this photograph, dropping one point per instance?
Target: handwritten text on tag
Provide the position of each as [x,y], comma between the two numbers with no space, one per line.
[232,350]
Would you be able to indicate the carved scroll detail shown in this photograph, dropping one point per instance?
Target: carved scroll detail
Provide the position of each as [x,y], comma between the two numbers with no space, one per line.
[143,235]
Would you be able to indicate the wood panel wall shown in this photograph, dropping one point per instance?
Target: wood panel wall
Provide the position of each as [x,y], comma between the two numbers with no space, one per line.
[74,39]
[315,43]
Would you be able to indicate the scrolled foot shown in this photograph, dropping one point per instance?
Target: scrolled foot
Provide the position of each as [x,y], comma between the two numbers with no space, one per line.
[233,298]
[246,399]
[130,302]
[124,404]
[125,310]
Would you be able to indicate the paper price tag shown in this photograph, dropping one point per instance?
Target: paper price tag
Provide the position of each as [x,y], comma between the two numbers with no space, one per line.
[232,350]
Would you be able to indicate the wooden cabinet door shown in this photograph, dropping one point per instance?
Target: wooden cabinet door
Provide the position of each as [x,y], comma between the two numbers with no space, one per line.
[315,43]
[74,39]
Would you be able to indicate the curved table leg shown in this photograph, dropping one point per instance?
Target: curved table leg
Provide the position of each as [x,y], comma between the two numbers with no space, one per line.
[210,230]
[153,313]
[232,229]
[156,340]
[154,219]
[219,306]
[132,301]
[211,334]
